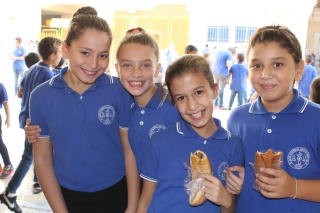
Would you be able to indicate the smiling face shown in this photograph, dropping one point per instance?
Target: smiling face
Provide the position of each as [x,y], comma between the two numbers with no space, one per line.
[88,57]
[272,72]
[193,96]
[137,66]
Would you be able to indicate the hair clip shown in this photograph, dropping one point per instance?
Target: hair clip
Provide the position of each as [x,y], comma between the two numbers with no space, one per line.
[135,30]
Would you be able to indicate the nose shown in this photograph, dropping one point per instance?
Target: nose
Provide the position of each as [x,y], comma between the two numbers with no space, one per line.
[93,63]
[192,103]
[266,73]
[136,72]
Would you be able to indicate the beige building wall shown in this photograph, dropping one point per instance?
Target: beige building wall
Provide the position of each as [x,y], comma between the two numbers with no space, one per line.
[313,36]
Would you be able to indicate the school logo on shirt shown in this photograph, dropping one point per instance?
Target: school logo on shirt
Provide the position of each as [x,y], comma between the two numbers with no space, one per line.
[106,114]
[298,158]
[155,129]
[221,169]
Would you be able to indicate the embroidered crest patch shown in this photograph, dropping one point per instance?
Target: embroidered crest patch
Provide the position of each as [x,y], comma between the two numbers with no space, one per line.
[106,114]
[298,158]
[156,128]
[221,169]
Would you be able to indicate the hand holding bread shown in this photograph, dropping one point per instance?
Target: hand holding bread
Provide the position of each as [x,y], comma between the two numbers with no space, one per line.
[199,163]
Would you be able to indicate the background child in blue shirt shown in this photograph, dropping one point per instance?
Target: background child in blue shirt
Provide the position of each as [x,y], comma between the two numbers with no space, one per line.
[279,119]
[57,69]
[315,90]
[309,73]
[192,88]
[238,86]
[50,52]
[18,64]
[7,170]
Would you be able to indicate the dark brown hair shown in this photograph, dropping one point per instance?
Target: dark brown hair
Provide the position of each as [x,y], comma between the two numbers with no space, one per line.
[47,46]
[188,64]
[280,35]
[315,90]
[86,11]
[31,59]
[86,18]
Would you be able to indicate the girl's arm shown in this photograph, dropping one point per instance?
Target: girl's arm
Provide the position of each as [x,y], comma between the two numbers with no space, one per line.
[285,186]
[43,160]
[7,111]
[133,179]
[147,193]
[217,193]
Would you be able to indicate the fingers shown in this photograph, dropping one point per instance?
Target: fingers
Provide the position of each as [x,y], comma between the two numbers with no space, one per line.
[267,190]
[239,169]
[28,122]
[32,133]
[275,183]
[208,177]
[234,183]
[270,171]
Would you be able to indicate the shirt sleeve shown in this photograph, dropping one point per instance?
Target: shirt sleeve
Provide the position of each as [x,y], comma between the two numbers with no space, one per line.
[124,114]
[150,166]
[3,93]
[36,112]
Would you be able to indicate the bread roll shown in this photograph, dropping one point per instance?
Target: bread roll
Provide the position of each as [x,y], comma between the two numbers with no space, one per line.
[199,163]
[269,159]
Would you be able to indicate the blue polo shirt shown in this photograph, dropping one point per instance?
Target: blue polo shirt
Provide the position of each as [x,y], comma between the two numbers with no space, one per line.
[167,153]
[309,73]
[295,131]
[3,94]
[84,130]
[37,74]
[157,115]
[239,76]
[19,52]
[220,62]
[56,71]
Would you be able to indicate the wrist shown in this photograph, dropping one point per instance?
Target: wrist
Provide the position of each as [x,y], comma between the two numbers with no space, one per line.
[295,189]
[229,203]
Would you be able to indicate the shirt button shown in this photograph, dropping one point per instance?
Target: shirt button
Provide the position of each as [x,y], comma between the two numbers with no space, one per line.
[204,142]
[273,117]
[142,111]
[269,130]
[80,97]
[141,122]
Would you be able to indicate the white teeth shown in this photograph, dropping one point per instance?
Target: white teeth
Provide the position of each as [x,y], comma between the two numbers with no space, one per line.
[89,72]
[197,115]
[135,83]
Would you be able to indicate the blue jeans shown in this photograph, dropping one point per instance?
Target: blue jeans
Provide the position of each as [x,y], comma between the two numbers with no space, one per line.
[240,98]
[22,169]
[222,81]
[17,73]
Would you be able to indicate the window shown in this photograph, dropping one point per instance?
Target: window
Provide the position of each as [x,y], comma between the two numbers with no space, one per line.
[244,33]
[218,34]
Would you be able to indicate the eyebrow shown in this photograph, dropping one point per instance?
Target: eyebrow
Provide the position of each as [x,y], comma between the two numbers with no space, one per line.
[195,89]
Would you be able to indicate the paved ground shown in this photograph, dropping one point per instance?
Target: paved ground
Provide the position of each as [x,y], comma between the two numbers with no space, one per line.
[14,139]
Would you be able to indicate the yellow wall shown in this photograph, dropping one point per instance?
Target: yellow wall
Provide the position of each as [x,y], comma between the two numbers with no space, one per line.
[166,27]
